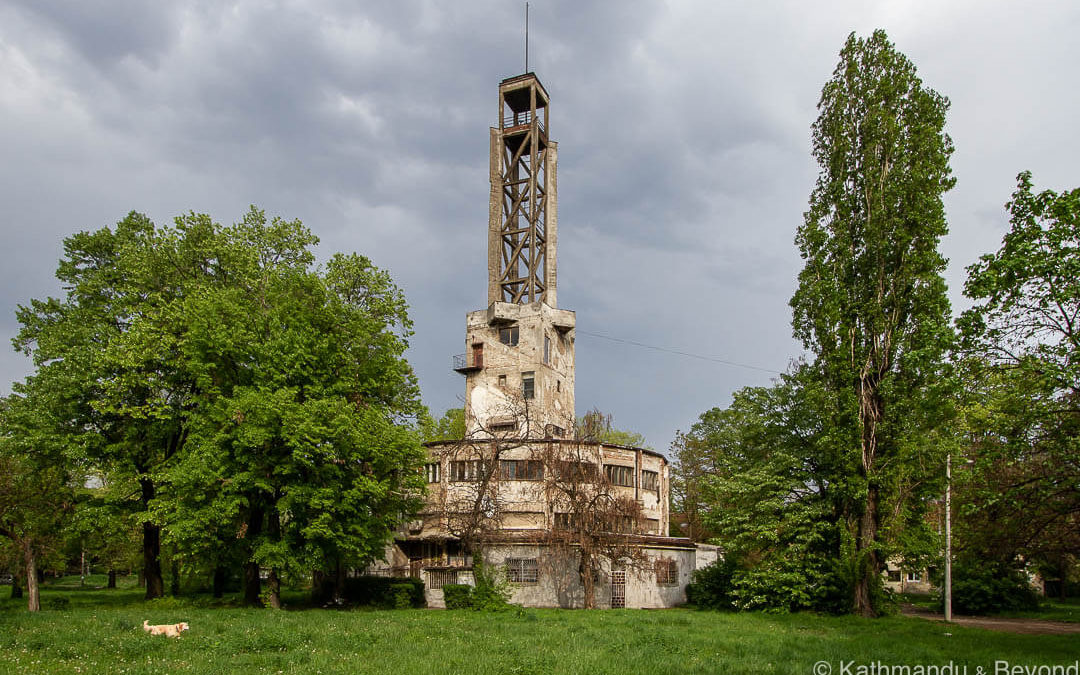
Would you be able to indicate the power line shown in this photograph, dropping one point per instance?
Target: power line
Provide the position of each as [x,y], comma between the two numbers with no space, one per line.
[680,353]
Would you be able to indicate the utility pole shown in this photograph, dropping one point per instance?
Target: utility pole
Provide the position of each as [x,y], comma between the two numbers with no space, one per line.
[948,537]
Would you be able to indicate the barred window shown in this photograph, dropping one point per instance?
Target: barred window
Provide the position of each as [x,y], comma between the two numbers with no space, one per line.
[431,472]
[522,570]
[667,572]
[619,475]
[650,480]
[521,469]
[438,578]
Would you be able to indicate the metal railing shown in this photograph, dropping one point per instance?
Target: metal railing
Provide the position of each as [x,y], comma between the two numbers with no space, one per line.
[520,119]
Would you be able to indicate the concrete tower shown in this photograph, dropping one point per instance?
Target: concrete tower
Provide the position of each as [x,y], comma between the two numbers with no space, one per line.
[519,359]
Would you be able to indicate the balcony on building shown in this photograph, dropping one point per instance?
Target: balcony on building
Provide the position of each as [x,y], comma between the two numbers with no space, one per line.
[464,365]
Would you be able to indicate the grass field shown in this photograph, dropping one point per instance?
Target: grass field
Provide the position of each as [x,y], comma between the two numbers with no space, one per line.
[99,631]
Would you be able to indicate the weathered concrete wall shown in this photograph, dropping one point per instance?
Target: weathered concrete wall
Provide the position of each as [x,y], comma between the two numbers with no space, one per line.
[494,391]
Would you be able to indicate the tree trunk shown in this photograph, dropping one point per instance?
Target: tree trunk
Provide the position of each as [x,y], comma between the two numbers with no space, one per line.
[252,585]
[174,579]
[33,602]
[16,584]
[339,580]
[219,581]
[273,585]
[868,565]
[252,582]
[155,584]
[112,579]
[318,578]
[587,580]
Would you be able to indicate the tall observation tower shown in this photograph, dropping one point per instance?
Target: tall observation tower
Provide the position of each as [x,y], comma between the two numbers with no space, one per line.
[519,359]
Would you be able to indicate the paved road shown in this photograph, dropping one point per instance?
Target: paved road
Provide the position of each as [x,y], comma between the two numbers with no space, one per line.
[1028,626]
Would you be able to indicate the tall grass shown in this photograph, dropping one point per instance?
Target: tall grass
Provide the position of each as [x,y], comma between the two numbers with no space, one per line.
[100,631]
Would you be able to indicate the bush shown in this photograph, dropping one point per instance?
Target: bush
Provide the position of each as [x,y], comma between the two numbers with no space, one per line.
[711,587]
[457,596]
[989,587]
[402,594]
[378,591]
[492,592]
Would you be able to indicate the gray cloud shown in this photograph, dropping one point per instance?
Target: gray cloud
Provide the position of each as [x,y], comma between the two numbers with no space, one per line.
[684,152]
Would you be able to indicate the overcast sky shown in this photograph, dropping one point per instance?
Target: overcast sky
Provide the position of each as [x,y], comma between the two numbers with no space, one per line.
[684,153]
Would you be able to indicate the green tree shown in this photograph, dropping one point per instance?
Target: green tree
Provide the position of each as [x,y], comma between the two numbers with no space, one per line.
[449,427]
[75,343]
[871,303]
[1024,417]
[598,426]
[36,493]
[768,495]
[262,403]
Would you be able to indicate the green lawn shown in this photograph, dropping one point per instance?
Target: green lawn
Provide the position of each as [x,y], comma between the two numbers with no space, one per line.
[99,631]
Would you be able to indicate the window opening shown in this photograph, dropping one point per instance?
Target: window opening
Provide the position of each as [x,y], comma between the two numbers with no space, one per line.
[650,480]
[431,472]
[509,335]
[619,475]
[521,469]
[522,570]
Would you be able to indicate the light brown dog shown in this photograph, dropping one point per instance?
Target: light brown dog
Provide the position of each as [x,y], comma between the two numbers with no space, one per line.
[166,629]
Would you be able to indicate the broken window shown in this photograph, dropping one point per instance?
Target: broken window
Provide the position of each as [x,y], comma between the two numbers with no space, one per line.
[547,349]
[502,381]
[509,335]
[521,469]
[566,521]
[650,480]
[467,470]
[576,472]
[554,431]
[528,385]
[431,472]
[619,475]
[522,570]
[667,572]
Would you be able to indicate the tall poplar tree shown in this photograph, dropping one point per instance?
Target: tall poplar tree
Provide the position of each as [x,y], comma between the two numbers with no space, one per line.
[871,303]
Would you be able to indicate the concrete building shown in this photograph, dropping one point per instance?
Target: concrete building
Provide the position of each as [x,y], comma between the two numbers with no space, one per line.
[570,521]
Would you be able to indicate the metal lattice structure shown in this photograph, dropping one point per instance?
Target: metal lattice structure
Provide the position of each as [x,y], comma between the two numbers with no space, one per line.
[521,244]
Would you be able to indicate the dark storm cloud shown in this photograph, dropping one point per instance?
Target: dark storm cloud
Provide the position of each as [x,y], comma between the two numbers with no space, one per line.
[684,152]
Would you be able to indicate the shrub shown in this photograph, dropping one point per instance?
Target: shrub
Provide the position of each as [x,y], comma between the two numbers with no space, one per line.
[989,587]
[378,591]
[711,587]
[492,591]
[402,594]
[457,596]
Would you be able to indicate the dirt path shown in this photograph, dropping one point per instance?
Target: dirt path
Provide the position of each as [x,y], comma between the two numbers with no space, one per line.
[1027,626]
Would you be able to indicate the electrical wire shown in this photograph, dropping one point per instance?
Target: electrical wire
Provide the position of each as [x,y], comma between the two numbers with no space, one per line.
[678,352]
